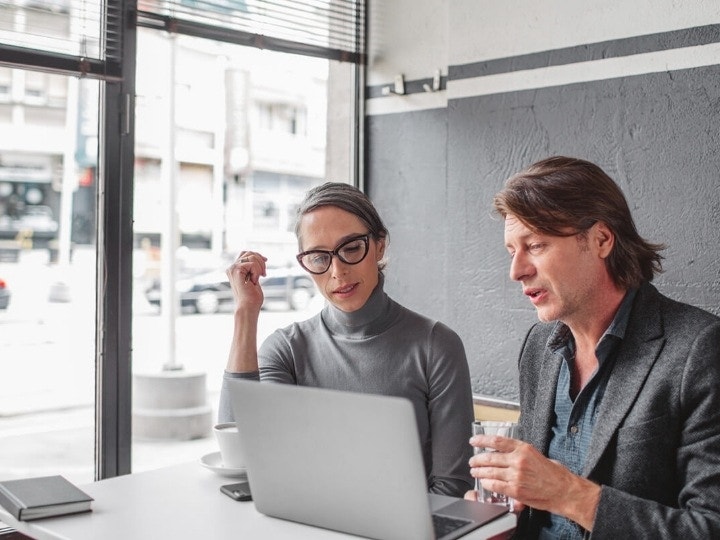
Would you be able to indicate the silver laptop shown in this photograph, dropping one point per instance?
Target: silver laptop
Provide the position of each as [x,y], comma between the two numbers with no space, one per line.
[344,461]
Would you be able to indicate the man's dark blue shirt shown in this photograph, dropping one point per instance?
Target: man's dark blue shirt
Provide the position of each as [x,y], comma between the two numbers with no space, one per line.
[575,419]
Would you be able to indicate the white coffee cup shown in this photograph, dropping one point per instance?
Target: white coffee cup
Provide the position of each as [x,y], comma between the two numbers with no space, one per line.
[228,440]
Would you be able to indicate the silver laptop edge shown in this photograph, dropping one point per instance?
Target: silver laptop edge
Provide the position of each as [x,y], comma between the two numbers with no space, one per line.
[344,461]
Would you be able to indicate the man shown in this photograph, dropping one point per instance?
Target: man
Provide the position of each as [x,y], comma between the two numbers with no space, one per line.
[619,385]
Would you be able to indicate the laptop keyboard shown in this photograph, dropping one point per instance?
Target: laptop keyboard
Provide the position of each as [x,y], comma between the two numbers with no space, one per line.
[445,524]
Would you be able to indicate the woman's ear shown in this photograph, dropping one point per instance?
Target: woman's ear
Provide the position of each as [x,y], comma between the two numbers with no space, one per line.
[380,248]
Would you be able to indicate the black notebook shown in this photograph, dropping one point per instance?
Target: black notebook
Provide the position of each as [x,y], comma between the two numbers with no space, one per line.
[44,496]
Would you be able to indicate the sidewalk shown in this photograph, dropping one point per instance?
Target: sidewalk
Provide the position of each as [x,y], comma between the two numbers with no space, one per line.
[62,442]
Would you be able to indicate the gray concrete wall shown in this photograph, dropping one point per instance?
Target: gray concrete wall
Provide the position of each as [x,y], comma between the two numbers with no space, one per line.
[640,98]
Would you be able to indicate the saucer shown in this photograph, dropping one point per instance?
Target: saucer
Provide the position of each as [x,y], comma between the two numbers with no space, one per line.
[213,462]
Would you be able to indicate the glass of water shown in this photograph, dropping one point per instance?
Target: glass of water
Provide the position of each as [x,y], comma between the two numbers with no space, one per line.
[491,427]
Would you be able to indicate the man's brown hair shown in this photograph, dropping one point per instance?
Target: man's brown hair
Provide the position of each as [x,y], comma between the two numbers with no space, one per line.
[563,196]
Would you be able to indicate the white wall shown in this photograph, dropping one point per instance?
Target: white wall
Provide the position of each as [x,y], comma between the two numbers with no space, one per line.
[408,37]
[486,29]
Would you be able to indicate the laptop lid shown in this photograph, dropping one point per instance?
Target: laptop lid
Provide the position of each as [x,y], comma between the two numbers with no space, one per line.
[345,461]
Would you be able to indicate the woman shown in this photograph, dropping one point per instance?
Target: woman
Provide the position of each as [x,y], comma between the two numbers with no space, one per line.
[362,340]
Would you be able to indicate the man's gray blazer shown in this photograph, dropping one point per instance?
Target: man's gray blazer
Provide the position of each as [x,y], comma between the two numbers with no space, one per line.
[656,445]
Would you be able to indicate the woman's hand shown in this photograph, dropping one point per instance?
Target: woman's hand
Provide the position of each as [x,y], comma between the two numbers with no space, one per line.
[244,276]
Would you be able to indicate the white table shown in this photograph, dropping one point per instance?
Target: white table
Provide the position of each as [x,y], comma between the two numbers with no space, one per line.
[179,502]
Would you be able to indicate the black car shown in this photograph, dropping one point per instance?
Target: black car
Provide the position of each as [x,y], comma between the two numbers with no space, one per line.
[207,292]
[4,294]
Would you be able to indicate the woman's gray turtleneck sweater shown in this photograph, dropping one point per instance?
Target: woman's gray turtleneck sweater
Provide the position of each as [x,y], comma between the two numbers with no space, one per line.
[383,348]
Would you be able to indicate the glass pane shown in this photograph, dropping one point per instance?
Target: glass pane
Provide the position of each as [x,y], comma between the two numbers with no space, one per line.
[48,163]
[228,140]
[70,27]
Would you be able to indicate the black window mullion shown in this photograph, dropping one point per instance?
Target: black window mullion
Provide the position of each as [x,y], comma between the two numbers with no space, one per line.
[24,58]
[113,434]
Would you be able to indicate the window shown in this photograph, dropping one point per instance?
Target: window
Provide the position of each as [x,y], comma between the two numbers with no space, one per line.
[221,170]
[47,365]
[67,181]
[50,248]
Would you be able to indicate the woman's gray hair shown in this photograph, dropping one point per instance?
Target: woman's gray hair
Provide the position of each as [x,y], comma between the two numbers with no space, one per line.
[348,198]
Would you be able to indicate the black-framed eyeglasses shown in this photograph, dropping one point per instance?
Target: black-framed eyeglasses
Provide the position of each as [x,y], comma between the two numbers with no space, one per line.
[352,251]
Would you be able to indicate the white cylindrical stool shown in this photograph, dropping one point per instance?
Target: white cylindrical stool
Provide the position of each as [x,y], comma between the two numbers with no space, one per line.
[170,405]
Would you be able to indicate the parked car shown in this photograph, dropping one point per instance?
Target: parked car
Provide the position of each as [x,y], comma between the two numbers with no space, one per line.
[291,285]
[203,292]
[207,292]
[4,294]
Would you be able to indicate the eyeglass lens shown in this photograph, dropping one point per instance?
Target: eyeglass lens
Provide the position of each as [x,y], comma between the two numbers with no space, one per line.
[351,252]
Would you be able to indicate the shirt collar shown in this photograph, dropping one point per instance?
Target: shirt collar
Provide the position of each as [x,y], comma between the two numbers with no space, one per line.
[561,335]
[620,321]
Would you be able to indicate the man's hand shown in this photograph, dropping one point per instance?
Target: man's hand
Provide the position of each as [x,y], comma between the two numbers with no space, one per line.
[518,470]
